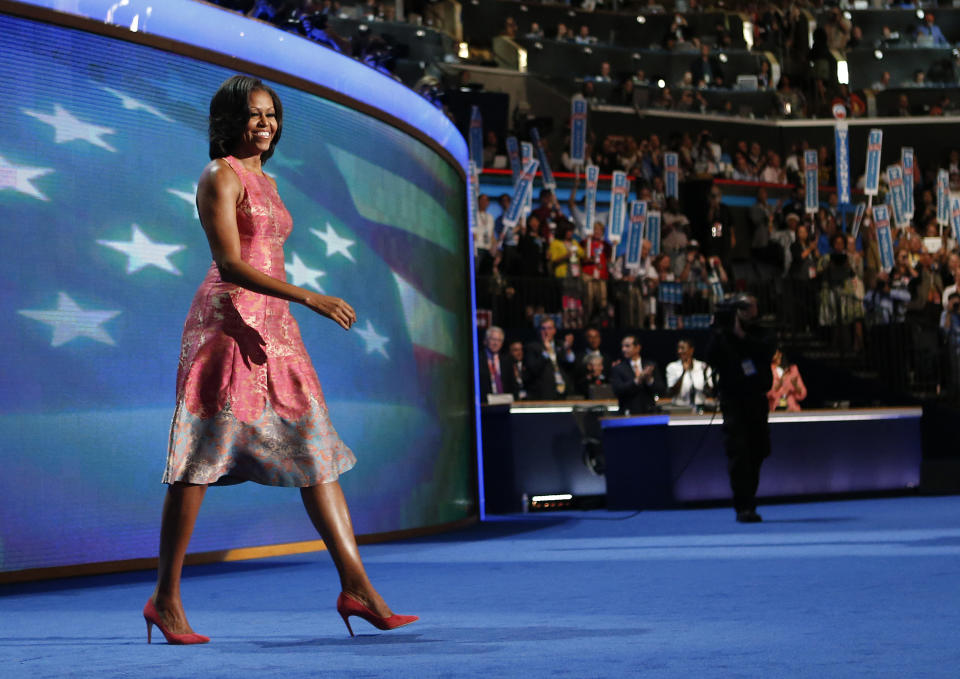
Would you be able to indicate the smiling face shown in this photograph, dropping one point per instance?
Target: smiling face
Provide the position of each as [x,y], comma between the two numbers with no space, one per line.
[261,126]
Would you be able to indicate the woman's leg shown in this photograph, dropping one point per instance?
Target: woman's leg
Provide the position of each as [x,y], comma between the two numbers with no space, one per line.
[327,508]
[180,509]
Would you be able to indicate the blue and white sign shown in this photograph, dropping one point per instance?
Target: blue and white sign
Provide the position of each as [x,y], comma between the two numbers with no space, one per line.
[842,148]
[526,155]
[653,231]
[871,185]
[635,235]
[593,178]
[578,131]
[898,197]
[858,214]
[476,136]
[943,197]
[619,188]
[513,153]
[546,174]
[955,217]
[907,163]
[881,220]
[811,180]
[671,174]
[523,187]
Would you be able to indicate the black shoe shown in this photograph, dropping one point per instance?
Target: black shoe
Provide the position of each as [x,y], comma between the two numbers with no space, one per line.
[748,516]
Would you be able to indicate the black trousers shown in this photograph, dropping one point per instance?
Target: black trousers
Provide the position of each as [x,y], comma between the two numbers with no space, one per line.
[746,435]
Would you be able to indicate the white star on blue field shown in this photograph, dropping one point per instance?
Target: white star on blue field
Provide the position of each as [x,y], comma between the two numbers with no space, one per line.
[68,128]
[69,321]
[142,252]
[20,178]
[373,341]
[336,245]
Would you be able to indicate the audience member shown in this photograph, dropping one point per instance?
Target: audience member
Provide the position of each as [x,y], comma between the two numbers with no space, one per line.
[591,384]
[706,69]
[596,272]
[584,37]
[483,240]
[787,389]
[634,380]
[493,378]
[514,367]
[929,34]
[547,363]
[689,380]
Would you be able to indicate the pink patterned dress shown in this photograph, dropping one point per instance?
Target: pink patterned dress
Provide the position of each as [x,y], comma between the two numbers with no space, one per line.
[249,405]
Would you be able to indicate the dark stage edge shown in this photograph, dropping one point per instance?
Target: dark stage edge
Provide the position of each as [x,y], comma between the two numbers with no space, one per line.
[832,589]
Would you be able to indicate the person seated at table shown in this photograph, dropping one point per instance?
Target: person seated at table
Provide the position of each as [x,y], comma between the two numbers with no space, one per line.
[634,380]
[589,385]
[788,388]
[513,367]
[594,340]
[493,378]
[689,380]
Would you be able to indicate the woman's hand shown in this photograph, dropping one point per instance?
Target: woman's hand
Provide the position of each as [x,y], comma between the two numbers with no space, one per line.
[333,308]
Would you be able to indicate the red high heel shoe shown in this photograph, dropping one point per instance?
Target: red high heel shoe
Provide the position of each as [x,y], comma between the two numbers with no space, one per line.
[153,618]
[347,606]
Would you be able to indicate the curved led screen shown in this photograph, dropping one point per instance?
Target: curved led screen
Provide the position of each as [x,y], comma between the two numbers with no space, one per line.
[101,256]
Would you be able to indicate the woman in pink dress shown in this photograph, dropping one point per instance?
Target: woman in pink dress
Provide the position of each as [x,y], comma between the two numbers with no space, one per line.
[249,405]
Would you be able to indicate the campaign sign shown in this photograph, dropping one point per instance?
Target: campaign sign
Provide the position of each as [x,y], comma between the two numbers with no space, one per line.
[473,194]
[593,178]
[635,236]
[671,174]
[943,197]
[871,185]
[476,136]
[523,187]
[578,130]
[619,187]
[546,174]
[881,221]
[526,155]
[811,181]
[513,153]
[897,195]
[955,217]
[653,231]
[842,146]
[906,162]
[858,214]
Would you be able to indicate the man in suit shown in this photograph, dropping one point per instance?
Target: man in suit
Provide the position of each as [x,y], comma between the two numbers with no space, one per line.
[635,381]
[547,363]
[515,372]
[494,379]
[706,69]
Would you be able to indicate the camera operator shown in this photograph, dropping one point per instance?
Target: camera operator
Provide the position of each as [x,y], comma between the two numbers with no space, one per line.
[950,331]
[740,355]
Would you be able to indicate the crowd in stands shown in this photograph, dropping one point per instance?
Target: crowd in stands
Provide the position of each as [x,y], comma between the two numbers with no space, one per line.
[814,275]
[806,81]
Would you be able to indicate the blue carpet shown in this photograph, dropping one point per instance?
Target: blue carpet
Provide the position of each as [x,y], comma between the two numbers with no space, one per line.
[842,589]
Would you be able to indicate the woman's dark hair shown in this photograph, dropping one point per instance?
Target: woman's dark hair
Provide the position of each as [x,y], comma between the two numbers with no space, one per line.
[230,111]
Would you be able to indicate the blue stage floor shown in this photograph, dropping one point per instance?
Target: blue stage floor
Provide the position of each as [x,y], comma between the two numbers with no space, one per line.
[840,589]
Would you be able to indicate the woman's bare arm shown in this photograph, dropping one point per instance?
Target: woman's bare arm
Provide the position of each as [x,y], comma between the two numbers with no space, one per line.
[218,194]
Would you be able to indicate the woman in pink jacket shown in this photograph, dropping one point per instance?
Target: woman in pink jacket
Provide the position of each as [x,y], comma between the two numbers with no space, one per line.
[788,388]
